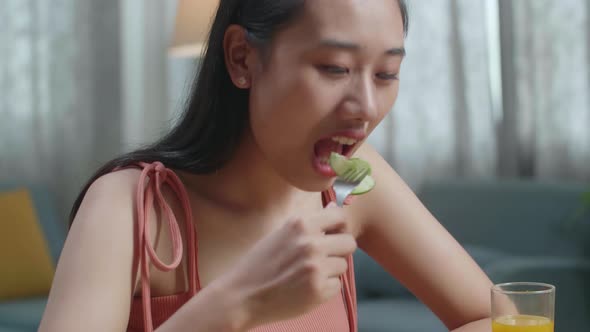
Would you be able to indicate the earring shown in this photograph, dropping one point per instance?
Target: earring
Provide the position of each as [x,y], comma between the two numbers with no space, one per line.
[242,82]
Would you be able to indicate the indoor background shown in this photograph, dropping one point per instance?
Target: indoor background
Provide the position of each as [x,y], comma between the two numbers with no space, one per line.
[491,127]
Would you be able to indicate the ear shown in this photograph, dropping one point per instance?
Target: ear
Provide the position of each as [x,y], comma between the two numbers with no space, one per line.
[237,52]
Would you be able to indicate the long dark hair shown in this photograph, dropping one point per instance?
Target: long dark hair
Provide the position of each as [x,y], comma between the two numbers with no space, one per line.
[216,112]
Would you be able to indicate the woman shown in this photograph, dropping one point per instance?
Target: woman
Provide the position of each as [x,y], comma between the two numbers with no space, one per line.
[234,198]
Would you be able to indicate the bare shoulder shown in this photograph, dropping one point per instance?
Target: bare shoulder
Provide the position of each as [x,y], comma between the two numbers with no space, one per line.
[406,239]
[93,279]
[108,206]
[111,188]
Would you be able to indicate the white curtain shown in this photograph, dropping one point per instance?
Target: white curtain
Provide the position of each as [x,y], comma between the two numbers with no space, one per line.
[547,88]
[82,80]
[462,112]
[443,123]
[59,92]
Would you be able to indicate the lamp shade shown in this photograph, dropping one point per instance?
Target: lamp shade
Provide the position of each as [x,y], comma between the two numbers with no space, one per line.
[193,20]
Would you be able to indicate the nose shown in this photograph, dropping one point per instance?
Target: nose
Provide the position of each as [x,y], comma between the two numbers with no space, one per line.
[364,99]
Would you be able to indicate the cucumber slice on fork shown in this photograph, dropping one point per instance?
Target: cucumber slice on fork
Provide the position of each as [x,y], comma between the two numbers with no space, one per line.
[353,170]
[365,186]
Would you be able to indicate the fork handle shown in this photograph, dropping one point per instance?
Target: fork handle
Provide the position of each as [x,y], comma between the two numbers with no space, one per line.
[340,200]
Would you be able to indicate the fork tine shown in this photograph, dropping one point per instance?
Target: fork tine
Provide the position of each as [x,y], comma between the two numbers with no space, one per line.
[348,174]
[361,174]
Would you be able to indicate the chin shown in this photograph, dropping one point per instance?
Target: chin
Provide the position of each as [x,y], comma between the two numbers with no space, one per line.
[310,178]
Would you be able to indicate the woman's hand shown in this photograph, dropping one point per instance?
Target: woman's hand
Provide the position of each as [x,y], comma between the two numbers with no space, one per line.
[295,268]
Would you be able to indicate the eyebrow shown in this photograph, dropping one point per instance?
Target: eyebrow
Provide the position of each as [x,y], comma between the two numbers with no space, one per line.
[333,43]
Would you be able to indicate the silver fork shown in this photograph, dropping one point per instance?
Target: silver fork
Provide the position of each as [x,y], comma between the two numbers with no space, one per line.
[346,183]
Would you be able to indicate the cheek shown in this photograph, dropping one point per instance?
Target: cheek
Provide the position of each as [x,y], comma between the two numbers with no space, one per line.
[389,95]
[290,99]
[275,117]
[386,102]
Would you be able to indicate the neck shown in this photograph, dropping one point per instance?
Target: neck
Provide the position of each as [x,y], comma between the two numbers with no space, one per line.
[247,183]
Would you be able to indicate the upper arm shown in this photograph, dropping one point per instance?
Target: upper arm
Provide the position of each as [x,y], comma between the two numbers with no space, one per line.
[92,286]
[400,233]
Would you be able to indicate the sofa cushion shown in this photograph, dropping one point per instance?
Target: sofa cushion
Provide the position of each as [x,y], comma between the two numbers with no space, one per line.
[23,249]
[24,315]
[399,315]
[520,217]
[16,329]
[53,229]
[372,281]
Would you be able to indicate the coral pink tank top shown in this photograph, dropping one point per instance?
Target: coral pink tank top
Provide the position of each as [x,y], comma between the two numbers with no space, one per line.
[147,313]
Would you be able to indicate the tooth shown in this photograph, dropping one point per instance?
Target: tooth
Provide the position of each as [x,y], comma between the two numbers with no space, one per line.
[344,140]
[341,140]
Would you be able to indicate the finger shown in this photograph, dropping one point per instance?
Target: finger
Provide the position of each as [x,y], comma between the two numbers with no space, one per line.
[337,244]
[332,287]
[332,204]
[330,221]
[334,266]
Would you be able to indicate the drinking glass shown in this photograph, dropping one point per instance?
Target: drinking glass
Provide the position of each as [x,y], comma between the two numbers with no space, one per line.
[523,307]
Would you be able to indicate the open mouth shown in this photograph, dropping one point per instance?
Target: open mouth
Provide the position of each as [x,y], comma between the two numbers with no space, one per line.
[323,148]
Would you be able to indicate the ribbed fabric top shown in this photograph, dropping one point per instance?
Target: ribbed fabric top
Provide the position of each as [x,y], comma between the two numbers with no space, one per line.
[147,313]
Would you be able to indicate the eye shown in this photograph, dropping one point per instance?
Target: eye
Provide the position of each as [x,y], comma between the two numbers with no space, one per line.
[333,70]
[388,76]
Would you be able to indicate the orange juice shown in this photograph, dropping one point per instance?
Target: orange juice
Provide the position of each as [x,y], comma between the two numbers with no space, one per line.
[522,323]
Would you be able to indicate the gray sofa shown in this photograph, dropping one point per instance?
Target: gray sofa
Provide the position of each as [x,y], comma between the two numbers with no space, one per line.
[513,229]
[516,230]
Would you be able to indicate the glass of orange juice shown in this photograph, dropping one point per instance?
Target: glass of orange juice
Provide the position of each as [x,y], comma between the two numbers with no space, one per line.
[523,307]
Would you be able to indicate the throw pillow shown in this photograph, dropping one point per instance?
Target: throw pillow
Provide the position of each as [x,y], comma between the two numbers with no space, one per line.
[27,267]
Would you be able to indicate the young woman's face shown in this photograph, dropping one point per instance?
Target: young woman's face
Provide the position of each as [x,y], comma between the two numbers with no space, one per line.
[324,85]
